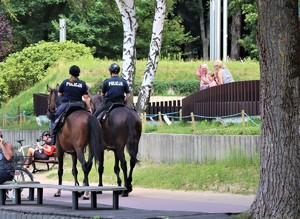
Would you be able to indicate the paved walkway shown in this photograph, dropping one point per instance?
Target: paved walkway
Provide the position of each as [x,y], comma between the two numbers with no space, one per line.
[142,203]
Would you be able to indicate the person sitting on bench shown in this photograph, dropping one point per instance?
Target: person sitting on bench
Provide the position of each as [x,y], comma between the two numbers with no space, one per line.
[41,152]
[7,168]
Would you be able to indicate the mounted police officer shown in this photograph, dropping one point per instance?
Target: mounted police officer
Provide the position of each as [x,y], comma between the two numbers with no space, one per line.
[71,92]
[114,90]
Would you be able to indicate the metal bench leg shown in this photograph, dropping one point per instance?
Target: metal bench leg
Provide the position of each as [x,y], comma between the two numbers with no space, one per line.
[74,200]
[18,196]
[93,199]
[31,194]
[115,200]
[3,196]
[39,197]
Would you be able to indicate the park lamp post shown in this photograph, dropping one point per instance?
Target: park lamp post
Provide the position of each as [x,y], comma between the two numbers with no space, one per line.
[62,30]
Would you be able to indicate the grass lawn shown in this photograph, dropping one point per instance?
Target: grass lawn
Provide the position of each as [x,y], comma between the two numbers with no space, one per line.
[236,174]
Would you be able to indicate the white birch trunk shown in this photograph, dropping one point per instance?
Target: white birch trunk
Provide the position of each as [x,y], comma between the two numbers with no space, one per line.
[130,25]
[153,56]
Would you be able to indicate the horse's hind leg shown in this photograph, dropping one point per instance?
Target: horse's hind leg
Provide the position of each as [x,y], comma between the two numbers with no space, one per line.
[117,169]
[124,168]
[133,161]
[74,169]
[60,171]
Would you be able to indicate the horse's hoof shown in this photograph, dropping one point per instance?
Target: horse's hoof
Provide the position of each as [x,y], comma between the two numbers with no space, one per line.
[80,194]
[129,188]
[85,197]
[125,194]
[57,194]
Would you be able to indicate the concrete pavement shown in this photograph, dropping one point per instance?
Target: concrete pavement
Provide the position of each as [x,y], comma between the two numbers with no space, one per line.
[141,204]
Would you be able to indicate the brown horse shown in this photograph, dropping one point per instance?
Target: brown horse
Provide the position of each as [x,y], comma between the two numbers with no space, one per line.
[122,127]
[80,129]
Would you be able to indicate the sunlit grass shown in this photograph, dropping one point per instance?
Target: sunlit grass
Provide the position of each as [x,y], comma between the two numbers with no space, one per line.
[236,174]
[205,127]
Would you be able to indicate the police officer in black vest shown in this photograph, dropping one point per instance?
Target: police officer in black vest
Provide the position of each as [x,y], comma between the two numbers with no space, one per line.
[113,90]
[71,91]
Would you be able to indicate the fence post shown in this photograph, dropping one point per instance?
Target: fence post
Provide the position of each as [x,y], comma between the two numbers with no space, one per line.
[24,118]
[160,119]
[243,121]
[193,121]
[180,115]
[20,119]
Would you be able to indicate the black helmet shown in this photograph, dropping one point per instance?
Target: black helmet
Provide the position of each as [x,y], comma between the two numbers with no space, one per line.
[45,133]
[114,68]
[74,70]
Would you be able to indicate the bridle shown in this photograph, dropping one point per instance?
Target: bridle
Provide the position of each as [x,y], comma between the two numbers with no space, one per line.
[53,107]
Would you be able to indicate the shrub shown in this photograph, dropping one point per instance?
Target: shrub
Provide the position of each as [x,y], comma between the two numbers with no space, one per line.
[23,69]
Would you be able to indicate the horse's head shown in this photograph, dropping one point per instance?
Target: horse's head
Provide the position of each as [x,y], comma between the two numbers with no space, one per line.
[53,100]
[96,100]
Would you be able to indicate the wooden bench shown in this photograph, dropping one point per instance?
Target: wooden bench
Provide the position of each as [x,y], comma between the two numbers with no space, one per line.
[52,160]
[74,189]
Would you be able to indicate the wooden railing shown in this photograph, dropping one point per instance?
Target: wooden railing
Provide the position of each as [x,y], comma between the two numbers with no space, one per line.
[224,100]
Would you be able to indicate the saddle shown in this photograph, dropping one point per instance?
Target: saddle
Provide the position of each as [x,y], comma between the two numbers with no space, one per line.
[104,114]
[60,121]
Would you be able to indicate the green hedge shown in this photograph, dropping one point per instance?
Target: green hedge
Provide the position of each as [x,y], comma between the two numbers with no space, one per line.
[23,69]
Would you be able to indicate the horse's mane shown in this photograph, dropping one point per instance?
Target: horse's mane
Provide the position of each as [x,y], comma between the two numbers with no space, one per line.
[96,100]
[57,98]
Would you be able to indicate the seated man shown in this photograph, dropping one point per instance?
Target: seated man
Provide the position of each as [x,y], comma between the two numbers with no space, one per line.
[7,167]
[41,152]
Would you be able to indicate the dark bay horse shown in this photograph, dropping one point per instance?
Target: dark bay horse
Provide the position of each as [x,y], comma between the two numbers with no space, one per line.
[80,129]
[122,127]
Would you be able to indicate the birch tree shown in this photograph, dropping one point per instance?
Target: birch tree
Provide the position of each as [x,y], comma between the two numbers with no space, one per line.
[278,32]
[153,56]
[130,25]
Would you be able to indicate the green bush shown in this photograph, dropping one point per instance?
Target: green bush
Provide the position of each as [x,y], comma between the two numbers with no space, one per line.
[23,69]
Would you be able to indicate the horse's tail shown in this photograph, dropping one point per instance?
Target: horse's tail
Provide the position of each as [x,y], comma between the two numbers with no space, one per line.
[95,139]
[134,134]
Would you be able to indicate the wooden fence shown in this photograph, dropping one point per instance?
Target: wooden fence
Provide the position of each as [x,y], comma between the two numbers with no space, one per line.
[40,104]
[224,100]
[163,107]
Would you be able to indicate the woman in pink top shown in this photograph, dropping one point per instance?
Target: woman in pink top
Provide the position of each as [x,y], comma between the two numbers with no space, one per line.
[202,73]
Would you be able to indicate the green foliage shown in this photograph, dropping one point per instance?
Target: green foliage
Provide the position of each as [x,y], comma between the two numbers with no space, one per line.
[174,35]
[23,69]
[31,19]
[250,12]
[99,27]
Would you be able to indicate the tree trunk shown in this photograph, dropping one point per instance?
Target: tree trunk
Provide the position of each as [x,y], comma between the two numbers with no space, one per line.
[278,194]
[236,35]
[130,25]
[205,41]
[153,56]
